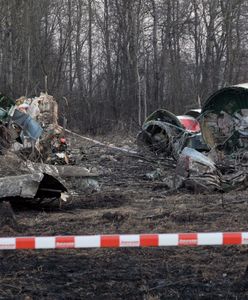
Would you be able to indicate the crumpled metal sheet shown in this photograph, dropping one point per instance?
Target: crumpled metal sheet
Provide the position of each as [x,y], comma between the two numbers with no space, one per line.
[23,181]
[235,181]
[165,137]
[163,133]
[5,104]
[29,126]
[31,179]
[80,178]
[25,186]
[224,119]
[199,172]
[195,112]
[62,171]
[164,116]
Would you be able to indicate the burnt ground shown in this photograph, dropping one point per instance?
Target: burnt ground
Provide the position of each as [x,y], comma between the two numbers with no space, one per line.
[128,203]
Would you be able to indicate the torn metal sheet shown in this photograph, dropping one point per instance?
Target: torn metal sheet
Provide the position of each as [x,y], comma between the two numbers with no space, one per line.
[62,171]
[199,171]
[44,108]
[164,137]
[235,181]
[15,119]
[23,182]
[163,132]
[5,105]
[196,142]
[25,186]
[166,133]
[37,117]
[164,116]
[33,185]
[224,119]
[30,128]
[195,113]
[80,178]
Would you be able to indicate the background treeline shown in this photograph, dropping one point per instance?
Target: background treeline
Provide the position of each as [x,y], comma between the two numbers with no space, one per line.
[111,62]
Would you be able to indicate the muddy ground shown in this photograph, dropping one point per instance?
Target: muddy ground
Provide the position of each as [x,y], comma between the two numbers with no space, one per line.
[128,203]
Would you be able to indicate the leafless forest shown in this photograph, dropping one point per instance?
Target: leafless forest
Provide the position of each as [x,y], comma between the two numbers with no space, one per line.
[111,62]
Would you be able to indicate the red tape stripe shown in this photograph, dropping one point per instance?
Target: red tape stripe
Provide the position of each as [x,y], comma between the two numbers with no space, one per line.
[110,241]
[232,238]
[188,239]
[115,241]
[25,243]
[65,242]
[149,240]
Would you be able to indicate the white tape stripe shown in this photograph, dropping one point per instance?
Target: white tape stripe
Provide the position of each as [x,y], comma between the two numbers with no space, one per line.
[130,240]
[91,241]
[7,243]
[244,238]
[168,239]
[45,242]
[210,239]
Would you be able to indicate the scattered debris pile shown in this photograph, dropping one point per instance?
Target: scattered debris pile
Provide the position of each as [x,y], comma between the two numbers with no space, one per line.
[224,120]
[52,146]
[164,132]
[199,172]
[23,182]
[223,140]
[35,160]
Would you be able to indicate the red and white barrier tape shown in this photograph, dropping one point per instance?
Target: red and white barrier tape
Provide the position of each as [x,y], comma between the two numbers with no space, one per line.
[125,240]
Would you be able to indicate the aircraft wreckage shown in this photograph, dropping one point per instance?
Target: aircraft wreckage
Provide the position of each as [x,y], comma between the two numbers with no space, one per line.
[165,132]
[34,157]
[210,145]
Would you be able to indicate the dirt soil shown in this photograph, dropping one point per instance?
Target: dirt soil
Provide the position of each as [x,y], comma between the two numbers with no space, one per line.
[128,203]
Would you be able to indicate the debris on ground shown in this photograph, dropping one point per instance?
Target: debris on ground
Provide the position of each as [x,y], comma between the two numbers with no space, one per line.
[151,193]
[189,123]
[219,131]
[7,216]
[195,113]
[52,147]
[30,129]
[32,139]
[199,171]
[164,132]
[27,182]
[128,203]
[224,120]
